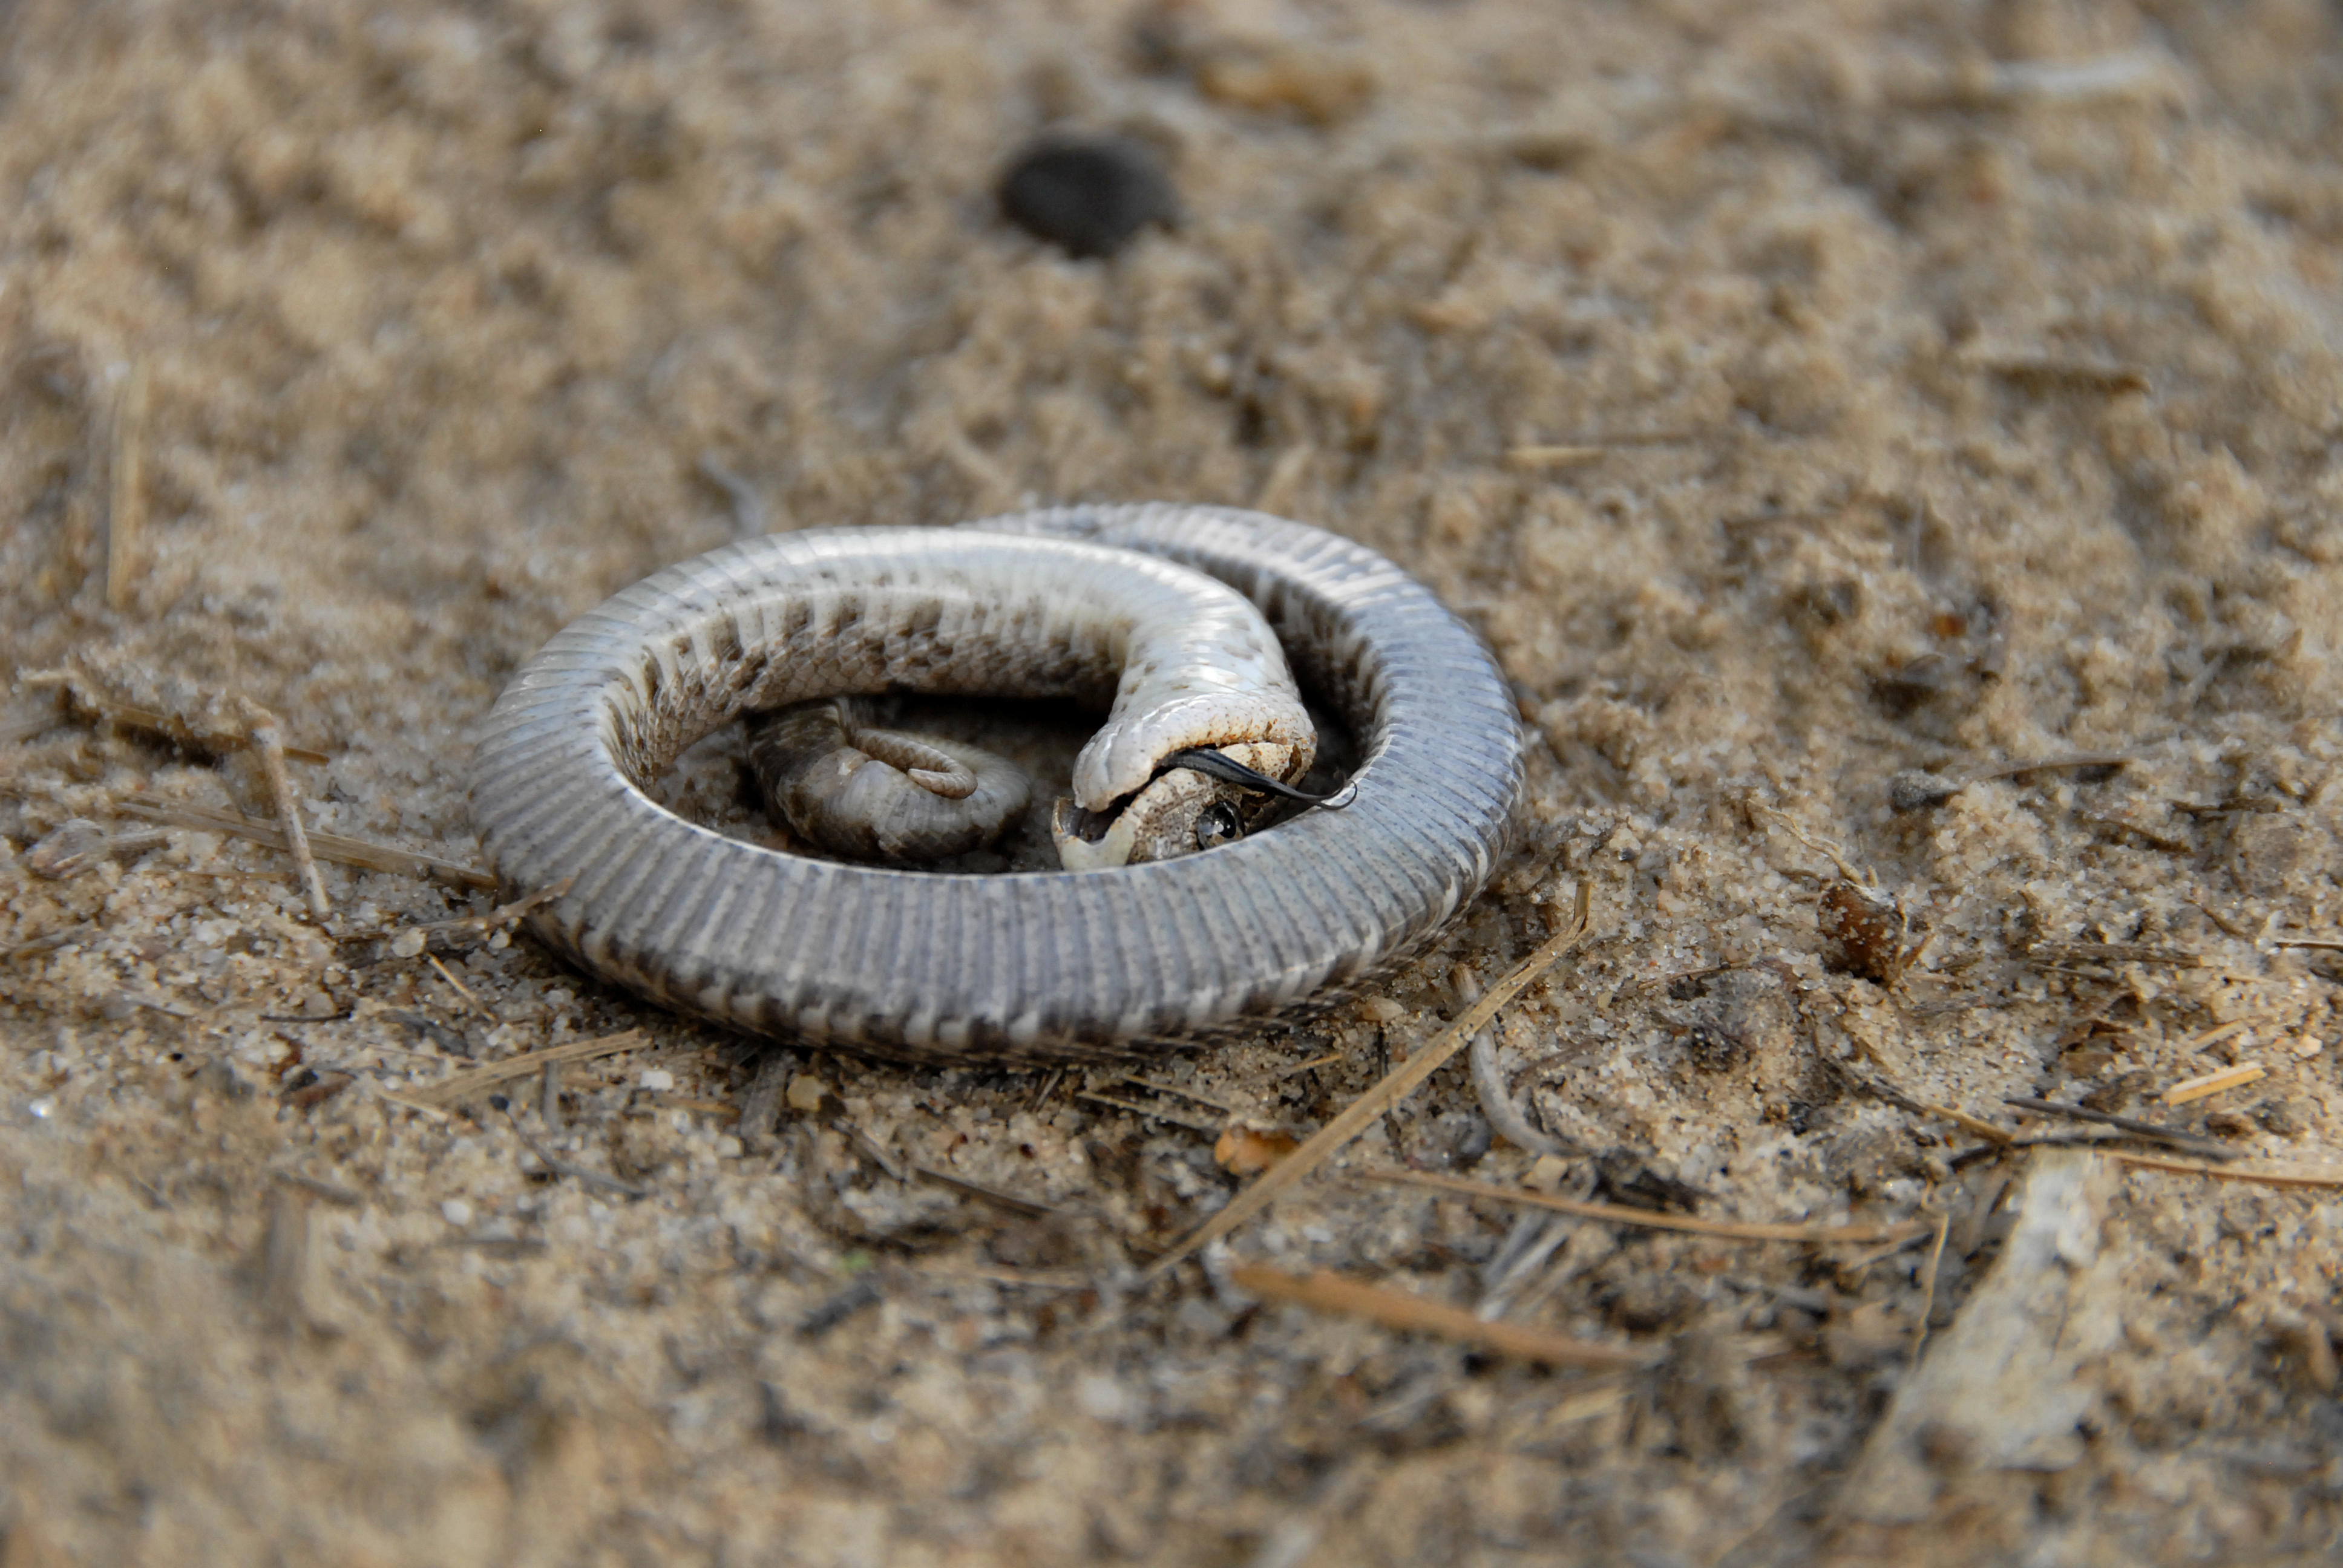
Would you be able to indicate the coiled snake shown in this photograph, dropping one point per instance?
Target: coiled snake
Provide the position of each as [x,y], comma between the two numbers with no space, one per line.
[1086,602]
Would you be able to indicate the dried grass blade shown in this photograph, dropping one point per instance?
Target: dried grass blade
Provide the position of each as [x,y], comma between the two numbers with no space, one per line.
[2230,1172]
[473,1080]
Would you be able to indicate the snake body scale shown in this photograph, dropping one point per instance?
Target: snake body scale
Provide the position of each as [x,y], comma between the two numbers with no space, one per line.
[1095,603]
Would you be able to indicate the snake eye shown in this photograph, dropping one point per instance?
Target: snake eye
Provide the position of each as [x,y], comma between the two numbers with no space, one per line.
[1218,824]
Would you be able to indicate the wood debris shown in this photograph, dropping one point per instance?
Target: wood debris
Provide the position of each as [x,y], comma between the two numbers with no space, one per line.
[2235,1077]
[2004,1385]
[1247,1152]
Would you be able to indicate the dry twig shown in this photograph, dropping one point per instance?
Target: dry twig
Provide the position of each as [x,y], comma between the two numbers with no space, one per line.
[463,990]
[1330,1293]
[1026,1207]
[2188,1142]
[1396,1085]
[447,933]
[362,853]
[270,744]
[2234,1077]
[2044,953]
[560,1168]
[2267,1177]
[1895,1234]
[1156,1112]
[80,701]
[1929,1272]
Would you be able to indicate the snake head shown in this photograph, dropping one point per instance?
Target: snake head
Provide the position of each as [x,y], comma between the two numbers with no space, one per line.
[1178,812]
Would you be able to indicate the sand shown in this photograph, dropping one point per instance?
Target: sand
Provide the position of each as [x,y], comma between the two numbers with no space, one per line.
[1797,398]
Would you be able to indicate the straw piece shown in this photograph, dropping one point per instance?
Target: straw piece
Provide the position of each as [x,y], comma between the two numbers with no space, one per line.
[1396,1085]
[473,1080]
[343,851]
[1330,1293]
[1279,491]
[1928,1274]
[1900,1231]
[2267,1177]
[1554,457]
[2235,1077]
[405,1103]
[270,744]
[126,510]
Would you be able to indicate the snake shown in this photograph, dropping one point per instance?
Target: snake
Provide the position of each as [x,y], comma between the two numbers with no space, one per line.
[1173,924]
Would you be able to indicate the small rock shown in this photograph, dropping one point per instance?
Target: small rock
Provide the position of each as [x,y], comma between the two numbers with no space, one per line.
[456,1212]
[657,1081]
[1863,933]
[805,1093]
[1915,790]
[1243,1150]
[1323,87]
[1088,195]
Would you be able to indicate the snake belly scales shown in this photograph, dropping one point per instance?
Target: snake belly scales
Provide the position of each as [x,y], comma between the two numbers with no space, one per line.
[1008,968]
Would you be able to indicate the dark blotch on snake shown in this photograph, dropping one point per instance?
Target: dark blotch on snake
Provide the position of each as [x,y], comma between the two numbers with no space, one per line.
[1088,195]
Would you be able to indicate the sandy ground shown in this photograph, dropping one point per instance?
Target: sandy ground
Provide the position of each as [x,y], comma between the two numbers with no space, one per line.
[1796,396]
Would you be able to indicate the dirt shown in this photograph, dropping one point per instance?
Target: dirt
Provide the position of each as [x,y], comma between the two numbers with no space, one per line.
[1893,449]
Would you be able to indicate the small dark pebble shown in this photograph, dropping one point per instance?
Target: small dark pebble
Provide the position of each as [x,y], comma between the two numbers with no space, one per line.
[1088,195]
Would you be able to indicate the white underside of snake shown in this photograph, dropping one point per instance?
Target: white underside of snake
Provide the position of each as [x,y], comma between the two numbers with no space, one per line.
[1171,923]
